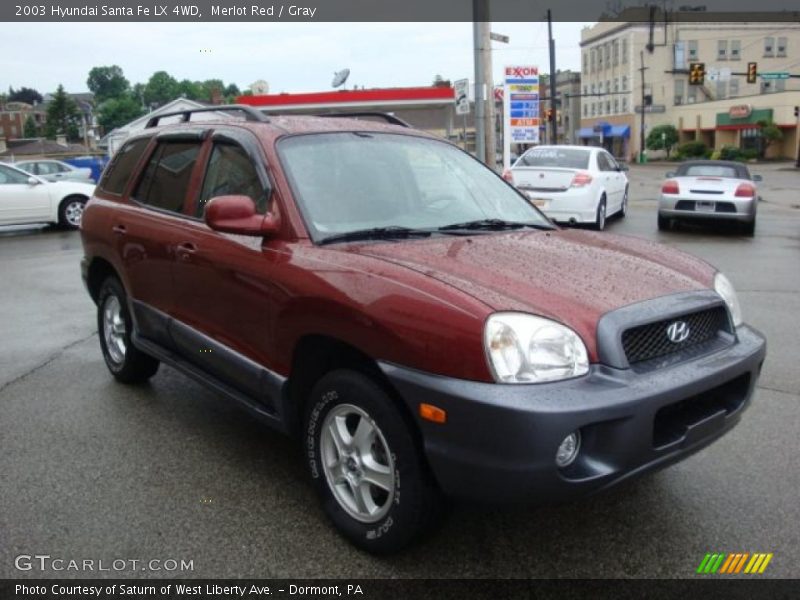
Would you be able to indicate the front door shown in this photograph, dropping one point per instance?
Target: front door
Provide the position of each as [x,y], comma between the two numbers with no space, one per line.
[21,201]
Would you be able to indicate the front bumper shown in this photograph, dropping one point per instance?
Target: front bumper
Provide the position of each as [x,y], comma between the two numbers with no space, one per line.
[499,441]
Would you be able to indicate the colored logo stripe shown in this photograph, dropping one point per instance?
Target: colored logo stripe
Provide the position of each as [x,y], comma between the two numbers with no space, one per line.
[734,562]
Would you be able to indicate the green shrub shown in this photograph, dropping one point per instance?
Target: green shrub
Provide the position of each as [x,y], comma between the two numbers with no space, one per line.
[715,155]
[730,153]
[748,154]
[693,149]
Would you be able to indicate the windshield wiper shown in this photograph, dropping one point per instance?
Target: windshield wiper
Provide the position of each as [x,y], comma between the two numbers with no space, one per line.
[493,225]
[376,233]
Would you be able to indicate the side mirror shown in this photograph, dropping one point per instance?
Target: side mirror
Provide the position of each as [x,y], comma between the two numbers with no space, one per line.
[670,174]
[237,214]
[33,181]
[623,168]
[758,178]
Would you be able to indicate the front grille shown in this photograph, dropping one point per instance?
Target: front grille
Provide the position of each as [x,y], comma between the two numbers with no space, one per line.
[646,342]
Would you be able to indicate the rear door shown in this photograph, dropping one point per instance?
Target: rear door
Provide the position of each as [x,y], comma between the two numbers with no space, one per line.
[144,229]
[613,181]
[21,201]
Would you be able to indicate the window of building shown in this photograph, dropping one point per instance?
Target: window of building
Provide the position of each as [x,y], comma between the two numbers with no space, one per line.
[599,58]
[736,50]
[722,49]
[585,67]
[615,52]
[166,178]
[625,104]
[585,110]
[780,85]
[608,86]
[766,86]
[616,105]
[607,50]
[585,89]
[679,57]
[769,46]
[593,57]
[691,94]
[679,89]
[594,109]
[13,130]
[733,88]
[782,42]
[616,84]
[624,51]
[624,83]
[608,107]
[593,89]
[692,45]
[721,89]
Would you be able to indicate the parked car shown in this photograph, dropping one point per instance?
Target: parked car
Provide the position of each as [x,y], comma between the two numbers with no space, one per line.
[710,190]
[420,327]
[26,198]
[572,184]
[55,170]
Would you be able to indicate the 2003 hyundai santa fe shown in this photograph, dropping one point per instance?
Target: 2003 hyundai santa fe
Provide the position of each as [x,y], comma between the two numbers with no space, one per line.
[405,312]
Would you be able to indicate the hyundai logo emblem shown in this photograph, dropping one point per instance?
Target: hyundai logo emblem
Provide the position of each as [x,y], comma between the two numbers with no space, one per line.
[677,332]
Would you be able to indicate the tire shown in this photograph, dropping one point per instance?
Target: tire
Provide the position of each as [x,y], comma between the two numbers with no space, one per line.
[749,228]
[664,223]
[623,211]
[600,217]
[114,326]
[70,212]
[383,521]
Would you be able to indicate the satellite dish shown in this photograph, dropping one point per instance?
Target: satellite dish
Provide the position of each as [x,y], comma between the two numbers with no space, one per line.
[340,77]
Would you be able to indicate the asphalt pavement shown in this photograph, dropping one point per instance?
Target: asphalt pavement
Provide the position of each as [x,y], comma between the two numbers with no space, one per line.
[90,469]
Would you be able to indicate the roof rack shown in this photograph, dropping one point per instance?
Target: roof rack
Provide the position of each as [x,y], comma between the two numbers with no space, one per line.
[250,113]
[388,117]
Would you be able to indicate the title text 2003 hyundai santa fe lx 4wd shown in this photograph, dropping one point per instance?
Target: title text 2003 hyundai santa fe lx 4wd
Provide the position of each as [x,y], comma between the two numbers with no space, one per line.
[423,329]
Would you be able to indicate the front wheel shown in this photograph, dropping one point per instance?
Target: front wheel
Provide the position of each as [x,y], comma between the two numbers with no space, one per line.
[600,217]
[70,212]
[365,464]
[114,326]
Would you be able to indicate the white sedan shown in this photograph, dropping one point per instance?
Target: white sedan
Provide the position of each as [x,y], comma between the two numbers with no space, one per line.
[55,170]
[25,198]
[572,184]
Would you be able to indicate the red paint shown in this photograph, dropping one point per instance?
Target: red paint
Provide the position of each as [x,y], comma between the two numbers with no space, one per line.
[418,303]
[350,96]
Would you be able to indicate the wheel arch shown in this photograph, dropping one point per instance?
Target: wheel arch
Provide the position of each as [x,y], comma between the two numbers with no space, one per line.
[99,270]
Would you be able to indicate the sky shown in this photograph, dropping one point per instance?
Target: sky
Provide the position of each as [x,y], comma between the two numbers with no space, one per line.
[292,57]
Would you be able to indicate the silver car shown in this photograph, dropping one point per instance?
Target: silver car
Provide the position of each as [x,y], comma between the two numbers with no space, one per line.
[709,190]
[55,170]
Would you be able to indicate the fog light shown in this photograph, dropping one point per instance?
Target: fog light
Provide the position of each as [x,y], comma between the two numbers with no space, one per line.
[568,450]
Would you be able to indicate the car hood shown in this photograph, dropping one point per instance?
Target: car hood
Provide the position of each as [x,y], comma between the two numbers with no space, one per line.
[568,275]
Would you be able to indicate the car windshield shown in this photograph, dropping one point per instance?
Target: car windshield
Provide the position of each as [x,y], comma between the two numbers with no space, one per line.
[567,158]
[709,171]
[347,182]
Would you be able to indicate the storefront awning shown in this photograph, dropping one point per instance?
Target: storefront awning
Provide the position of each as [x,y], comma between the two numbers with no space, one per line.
[623,131]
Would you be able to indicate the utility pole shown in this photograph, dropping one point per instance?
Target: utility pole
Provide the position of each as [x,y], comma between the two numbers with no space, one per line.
[642,69]
[478,17]
[553,110]
[488,112]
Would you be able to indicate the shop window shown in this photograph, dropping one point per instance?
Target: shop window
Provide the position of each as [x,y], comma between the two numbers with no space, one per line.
[721,89]
[733,88]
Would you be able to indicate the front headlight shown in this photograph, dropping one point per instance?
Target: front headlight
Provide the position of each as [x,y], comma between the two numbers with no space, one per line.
[522,348]
[724,288]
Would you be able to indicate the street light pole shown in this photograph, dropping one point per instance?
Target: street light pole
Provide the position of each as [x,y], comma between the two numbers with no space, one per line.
[480,135]
[552,48]
[641,125]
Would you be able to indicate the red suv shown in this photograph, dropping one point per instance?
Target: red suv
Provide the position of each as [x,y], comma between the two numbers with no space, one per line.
[420,327]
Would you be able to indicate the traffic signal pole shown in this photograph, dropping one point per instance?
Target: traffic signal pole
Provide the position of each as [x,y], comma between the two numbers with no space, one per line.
[642,69]
[553,112]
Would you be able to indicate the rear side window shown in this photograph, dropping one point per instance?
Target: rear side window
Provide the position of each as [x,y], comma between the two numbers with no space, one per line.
[166,177]
[567,158]
[231,172]
[120,170]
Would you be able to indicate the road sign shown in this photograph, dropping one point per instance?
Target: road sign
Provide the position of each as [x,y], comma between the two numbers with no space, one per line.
[461,88]
[776,75]
[499,37]
[650,108]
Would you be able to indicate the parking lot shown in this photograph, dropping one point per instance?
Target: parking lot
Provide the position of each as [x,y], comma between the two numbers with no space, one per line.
[91,469]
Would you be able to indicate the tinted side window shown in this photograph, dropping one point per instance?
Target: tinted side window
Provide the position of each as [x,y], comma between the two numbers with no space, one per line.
[602,162]
[166,177]
[231,172]
[120,169]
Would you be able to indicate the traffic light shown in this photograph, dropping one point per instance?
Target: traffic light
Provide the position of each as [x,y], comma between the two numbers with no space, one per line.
[697,73]
[796,111]
[549,113]
[752,72]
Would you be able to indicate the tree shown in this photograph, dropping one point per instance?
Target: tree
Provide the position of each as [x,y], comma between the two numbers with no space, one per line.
[23,94]
[160,89]
[662,137]
[107,83]
[210,86]
[30,130]
[63,116]
[193,90]
[232,92]
[116,112]
[770,133]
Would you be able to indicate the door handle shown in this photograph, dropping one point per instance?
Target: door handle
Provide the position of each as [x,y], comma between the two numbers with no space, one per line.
[119,229]
[185,250]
